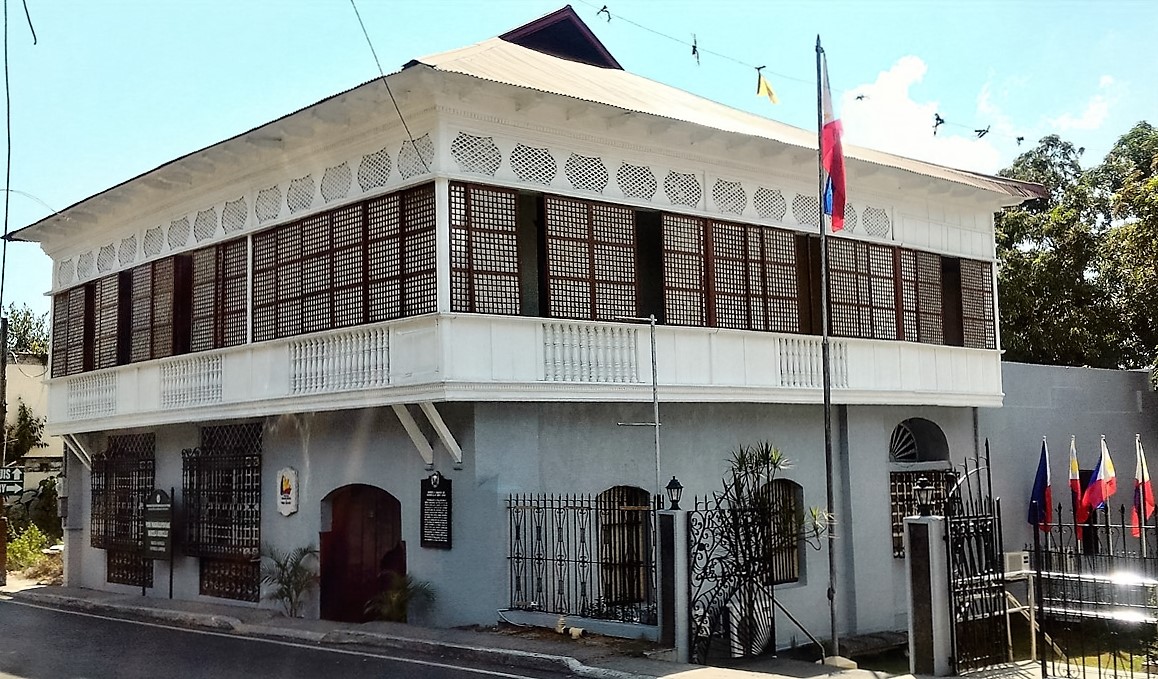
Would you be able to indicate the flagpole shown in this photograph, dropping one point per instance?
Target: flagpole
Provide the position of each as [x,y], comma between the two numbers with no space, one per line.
[824,354]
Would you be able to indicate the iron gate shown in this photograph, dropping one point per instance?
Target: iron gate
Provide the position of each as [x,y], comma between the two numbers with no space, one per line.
[976,571]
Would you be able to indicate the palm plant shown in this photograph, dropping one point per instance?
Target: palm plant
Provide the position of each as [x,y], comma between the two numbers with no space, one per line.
[290,576]
[403,594]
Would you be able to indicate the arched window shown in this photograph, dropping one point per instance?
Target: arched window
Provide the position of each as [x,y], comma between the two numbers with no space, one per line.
[918,448]
[785,511]
[625,547]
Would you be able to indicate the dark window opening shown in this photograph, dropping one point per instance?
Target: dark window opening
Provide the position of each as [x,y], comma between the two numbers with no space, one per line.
[649,260]
[951,301]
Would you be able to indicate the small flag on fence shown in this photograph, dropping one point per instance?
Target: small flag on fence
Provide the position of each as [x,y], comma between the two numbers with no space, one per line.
[1081,514]
[1041,499]
[1104,482]
[1143,507]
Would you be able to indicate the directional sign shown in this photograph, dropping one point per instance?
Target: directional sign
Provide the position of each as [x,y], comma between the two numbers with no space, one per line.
[11,481]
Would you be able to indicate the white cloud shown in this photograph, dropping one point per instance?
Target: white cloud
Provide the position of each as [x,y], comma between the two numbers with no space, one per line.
[1096,111]
[889,119]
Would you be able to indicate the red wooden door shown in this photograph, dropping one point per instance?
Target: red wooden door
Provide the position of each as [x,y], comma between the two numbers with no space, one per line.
[363,546]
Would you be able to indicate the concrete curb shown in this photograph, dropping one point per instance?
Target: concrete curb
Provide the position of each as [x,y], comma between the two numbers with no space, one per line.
[225,623]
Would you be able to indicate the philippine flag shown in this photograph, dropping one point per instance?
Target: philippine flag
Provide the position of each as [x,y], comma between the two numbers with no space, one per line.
[1081,513]
[1041,499]
[1143,507]
[1104,482]
[831,154]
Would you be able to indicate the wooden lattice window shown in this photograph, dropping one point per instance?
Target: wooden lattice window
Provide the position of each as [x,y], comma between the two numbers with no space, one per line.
[128,568]
[363,263]
[977,304]
[159,304]
[219,296]
[591,272]
[862,289]
[625,545]
[106,322]
[221,484]
[484,257]
[754,280]
[684,279]
[71,331]
[122,478]
[923,314]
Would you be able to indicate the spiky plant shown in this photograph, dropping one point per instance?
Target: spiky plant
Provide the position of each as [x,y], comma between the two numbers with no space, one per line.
[289,575]
[403,595]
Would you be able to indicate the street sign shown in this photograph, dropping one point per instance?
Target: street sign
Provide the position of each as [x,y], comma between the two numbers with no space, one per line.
[158,525]
[11,481]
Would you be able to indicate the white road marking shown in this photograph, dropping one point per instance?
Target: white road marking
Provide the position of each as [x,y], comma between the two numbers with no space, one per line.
[279,642]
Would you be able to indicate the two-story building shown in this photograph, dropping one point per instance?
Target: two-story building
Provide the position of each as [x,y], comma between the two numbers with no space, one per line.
[355,295]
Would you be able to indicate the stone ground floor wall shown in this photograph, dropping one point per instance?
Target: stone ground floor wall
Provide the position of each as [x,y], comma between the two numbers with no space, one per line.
[513,448]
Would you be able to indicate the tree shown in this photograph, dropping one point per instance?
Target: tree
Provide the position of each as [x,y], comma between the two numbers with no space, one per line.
[27,331]
[23,434]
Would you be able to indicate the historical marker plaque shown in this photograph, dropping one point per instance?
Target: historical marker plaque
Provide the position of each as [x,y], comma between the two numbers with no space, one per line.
[158,525]
[436,512]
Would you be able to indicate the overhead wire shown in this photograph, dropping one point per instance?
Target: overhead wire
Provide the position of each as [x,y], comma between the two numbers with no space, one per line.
[382,77]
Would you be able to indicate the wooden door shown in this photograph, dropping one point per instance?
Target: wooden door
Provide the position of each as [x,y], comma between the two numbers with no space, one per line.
[360,551]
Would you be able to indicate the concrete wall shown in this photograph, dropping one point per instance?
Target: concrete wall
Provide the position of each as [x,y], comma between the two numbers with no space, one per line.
[25,375]
[1057,402]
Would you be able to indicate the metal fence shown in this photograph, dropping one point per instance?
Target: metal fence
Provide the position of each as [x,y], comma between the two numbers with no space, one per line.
[585,555]
[1098,597]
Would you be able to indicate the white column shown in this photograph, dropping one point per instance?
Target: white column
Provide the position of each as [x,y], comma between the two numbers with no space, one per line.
[442,245]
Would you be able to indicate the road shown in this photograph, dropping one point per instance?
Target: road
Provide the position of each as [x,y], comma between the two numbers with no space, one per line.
[44,643]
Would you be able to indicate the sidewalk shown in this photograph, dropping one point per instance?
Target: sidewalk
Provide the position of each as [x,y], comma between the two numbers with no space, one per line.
[580,658]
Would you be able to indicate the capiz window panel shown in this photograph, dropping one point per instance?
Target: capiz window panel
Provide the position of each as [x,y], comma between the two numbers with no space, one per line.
[484,255]
[977,304]
[590,260]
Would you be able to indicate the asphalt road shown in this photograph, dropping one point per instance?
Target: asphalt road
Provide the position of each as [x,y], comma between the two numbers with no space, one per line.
[44,643]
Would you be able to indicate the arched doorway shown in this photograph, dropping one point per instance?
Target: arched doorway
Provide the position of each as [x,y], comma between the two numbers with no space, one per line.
[361,545]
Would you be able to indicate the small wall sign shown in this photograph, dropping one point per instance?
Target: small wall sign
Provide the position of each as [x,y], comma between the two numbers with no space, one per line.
[158,525]
[435,512]
[287,491]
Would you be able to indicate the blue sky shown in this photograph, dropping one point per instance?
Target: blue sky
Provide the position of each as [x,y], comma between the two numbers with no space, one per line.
[113,89]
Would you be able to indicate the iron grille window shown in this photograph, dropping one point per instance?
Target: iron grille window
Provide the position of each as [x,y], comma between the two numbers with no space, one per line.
[903,499]
[484,255]
[158,309]
[625,545]
[862,289]
[221,486]
[219,296]
[363,263]
[591,272]
[227,579]
[782,545]
[121,480]
[920,287]
[128,568]
[977,304]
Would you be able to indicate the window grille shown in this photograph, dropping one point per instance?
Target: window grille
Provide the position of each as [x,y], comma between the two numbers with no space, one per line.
[625,546]
[128,250]
[729,196]
[682,189]
[478,155]
[636,181]
[876,222]
[920,290]
[785,500]
[84,266]
[300,195]
[415,158]
[862,289]
[684,280]
[590,259]
[770,204]
[806,210]
[484,253]
[122,478]
[374,170]
[178,233]
[234,215]
[903,499]
[154,241]
[268,204]
[106,300]
[850,218]
[205,225]
[65,272]
[586,173]
[221,486]
[128,568]
[534,165]
[362,263]
[336,182]
[106,258]
[237,580]
[158,289]
[219,296]
[977,304]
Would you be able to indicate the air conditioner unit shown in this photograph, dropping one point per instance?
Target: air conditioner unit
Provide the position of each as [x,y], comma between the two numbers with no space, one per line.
[1016,563]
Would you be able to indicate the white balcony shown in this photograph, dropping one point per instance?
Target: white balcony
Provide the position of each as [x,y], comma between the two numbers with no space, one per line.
[504,358]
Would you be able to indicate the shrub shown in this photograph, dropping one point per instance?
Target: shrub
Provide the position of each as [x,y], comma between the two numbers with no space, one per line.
[290,576]
[25,550]
[403,596]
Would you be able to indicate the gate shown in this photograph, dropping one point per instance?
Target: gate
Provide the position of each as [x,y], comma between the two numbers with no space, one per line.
[976,571]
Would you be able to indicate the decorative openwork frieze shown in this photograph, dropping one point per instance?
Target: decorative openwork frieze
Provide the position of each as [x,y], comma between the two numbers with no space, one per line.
[92,396]
[191,381]
[357,359]
[587,352]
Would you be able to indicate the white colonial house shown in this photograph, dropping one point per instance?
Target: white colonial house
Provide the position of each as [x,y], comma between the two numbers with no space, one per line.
[292,328]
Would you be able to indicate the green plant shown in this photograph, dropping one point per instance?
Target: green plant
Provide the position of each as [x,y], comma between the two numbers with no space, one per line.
[27,549]
[403,595]
[291,575]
